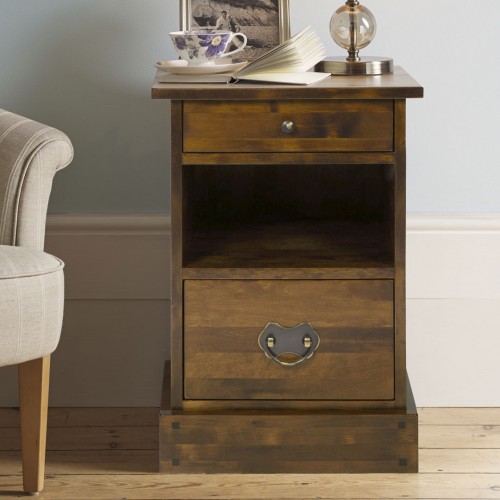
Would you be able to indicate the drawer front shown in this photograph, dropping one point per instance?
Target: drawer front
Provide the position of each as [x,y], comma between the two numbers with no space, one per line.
[353,318]
[260,126]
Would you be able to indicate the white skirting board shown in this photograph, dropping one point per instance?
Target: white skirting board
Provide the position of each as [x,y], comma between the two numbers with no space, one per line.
[453,308]
[115,336]
[116,327]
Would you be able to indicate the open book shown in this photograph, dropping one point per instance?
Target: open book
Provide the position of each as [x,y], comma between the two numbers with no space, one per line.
[289,63]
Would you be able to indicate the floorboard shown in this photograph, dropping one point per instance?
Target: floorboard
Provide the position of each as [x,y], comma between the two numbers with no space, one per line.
[112,453]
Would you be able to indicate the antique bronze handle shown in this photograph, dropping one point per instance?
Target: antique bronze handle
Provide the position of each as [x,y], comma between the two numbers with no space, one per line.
[289,346]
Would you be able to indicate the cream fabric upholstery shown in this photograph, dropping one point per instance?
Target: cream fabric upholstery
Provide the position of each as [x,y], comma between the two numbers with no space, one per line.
[30,155]
[31,281]
[31,304]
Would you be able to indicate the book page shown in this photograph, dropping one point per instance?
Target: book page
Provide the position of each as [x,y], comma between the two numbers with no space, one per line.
[299,53]
[295,78]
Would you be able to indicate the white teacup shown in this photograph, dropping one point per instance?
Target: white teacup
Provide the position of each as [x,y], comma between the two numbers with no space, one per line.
[202,47]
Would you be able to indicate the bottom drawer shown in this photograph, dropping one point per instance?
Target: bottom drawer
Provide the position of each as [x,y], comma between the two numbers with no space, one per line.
[354,320]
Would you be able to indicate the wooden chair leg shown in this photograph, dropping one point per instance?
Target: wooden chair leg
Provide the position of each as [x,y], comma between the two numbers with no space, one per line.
[33,402]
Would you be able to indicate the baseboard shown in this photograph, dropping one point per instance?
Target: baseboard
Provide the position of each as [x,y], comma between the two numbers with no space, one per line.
[108,224]
[449,255]
[452,351]
[112,256]
[128,256]
[453,256]
[115,336]
[453,308]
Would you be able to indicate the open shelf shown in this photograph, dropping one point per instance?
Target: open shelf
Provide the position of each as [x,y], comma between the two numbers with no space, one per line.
[291,246]
[288,221]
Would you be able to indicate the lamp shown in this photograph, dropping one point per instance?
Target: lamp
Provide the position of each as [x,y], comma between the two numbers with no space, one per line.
[353,27]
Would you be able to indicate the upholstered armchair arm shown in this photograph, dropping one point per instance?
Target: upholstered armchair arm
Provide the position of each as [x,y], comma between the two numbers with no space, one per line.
[30,155]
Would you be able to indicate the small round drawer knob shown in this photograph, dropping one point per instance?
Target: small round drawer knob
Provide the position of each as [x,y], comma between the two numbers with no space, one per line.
[287,127]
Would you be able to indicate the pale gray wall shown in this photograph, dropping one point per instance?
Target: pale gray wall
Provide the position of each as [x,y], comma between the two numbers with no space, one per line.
[86,66]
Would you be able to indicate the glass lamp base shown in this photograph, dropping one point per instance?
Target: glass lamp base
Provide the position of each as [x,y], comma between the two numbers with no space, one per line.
[366,66]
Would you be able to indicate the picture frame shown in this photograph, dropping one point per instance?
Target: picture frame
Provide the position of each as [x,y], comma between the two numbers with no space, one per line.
[266,23]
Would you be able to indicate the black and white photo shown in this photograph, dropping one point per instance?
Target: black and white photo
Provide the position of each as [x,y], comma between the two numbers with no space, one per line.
[266,23]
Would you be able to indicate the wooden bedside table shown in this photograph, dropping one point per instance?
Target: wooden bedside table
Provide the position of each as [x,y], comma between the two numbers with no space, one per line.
[288,279]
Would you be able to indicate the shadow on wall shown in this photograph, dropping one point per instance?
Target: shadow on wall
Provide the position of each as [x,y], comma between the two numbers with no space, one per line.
[86,67]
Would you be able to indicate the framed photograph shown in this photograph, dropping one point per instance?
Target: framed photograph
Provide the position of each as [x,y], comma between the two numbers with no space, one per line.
[266,23]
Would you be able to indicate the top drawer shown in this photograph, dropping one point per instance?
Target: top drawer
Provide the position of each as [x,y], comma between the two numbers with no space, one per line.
[313,126]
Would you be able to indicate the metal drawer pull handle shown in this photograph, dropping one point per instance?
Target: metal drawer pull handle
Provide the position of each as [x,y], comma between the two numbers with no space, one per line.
[287,127]
[289,346]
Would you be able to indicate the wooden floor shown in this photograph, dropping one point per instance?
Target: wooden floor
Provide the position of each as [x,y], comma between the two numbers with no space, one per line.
[112,454]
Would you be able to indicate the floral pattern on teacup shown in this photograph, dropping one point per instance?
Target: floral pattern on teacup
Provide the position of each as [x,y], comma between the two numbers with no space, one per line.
[180,43]
[215,44]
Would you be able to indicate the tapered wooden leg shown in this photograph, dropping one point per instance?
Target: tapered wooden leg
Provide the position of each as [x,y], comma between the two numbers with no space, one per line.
[33,402]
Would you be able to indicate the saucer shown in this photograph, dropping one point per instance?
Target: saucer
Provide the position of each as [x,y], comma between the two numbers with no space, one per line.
[180,67]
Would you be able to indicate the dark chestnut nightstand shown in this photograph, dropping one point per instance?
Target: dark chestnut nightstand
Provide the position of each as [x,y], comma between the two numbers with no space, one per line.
[288,279]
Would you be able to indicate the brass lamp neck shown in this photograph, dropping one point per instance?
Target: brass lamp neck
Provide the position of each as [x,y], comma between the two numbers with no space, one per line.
[353,55]
[353,34]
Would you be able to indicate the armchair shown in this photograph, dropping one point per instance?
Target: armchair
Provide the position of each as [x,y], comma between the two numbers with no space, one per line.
[31,281]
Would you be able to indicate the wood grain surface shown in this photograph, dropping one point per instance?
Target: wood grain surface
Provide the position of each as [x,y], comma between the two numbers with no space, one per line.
[272,443]
[104,473]
[392,86]
[294,226]
[255,126]
[294,217]
[223,319]
[293,245]
[399,242]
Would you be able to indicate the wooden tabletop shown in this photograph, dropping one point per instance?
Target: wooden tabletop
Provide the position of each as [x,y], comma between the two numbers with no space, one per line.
[399,85]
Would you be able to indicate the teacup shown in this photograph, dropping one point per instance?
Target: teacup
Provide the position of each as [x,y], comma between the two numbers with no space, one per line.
[202,47]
